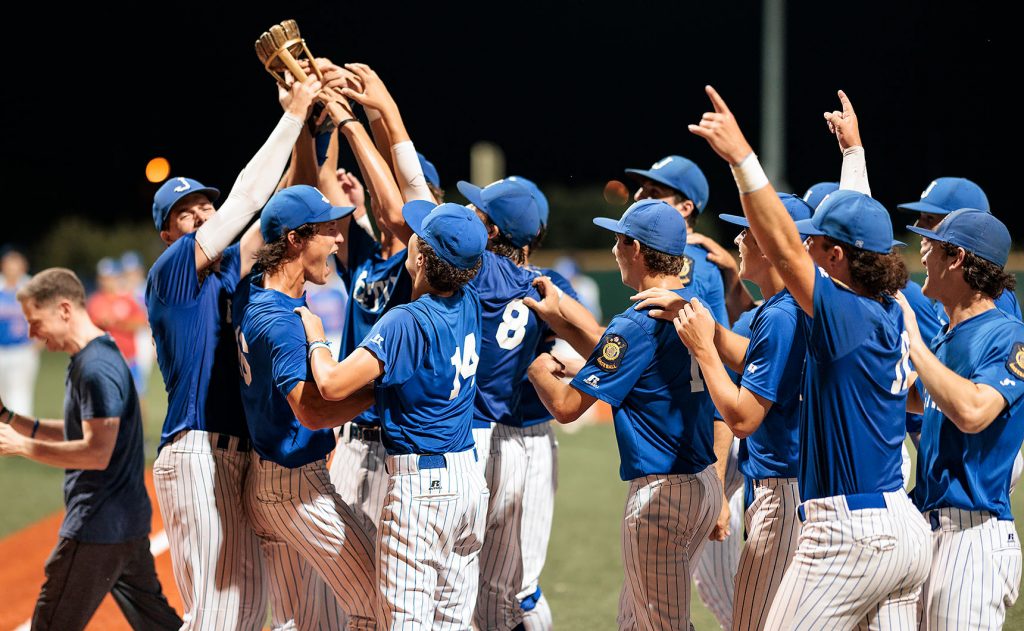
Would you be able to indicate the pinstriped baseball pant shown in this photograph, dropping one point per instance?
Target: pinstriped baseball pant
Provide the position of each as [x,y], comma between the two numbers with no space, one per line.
[520,479]
[714,573]
[215,554]
[975,572]
[667,520]
[297,510]
[859,569]
[431,532]
[773,531]
[357,473]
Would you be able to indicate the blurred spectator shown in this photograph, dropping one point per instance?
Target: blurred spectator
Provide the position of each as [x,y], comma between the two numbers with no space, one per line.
[134,274]
[585,286]
[19,357]
[115,310]
[330,302]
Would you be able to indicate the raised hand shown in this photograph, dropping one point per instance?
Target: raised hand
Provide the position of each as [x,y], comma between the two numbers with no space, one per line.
[374,94]
[660,303]
[547,308]
[352,188]
[909,319]
[696,327]
[312,323]
[721,130]
[844,124]
[297,99]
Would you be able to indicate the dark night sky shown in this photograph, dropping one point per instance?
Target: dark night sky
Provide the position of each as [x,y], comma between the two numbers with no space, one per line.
[573,92]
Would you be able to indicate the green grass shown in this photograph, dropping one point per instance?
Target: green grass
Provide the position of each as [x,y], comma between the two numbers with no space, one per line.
[583,573]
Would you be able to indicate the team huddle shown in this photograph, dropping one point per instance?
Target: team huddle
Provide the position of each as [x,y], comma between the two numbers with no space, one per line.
[782,420]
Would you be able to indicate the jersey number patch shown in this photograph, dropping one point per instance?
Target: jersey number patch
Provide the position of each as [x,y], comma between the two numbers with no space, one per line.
[243,350]
[512,329]
[465,363]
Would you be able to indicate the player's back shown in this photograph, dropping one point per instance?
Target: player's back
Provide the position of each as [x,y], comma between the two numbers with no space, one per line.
[510,335]
[853,418]
[430,350]
[195,346]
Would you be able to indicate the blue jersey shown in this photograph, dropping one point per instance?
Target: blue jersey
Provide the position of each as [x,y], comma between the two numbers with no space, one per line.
[195,347]
[853,418]
[663,414]
[1006,302]
[972,471]
[13,326]
[272,360]
[511,333]
[705,281]
[430,349]
[772,369]
[375,285]
[533,411]
[928,323]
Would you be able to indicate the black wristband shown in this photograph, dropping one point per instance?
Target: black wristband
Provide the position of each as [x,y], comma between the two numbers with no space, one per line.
[10,415]
[347,121]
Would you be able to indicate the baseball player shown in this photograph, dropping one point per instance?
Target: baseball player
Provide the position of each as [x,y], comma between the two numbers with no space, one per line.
[663,422]
[203,454]
[763,409]
[862,554]
[973,407]
[423,357]
[19,357]
[818,192]
[288,495]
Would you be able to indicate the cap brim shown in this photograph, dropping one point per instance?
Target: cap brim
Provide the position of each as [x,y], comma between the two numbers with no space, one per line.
[608,224]
[415,212]
[931,234]
[923,207]
[898,244]
[650,175]
[806,227]
[738,220]
[471,192]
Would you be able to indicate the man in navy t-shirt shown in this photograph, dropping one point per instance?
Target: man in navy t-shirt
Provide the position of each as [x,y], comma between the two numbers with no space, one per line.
[104,538]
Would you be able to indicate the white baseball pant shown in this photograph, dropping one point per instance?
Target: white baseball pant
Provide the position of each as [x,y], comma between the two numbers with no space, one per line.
[773,530]
[538,512]
[975,572]
[431,532]
[358,474]
[858,569]
[715,571]
[482,439]
[300,509]
[215,555]
[667,521]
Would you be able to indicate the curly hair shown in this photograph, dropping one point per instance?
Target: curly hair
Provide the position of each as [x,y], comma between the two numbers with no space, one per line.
[442,275]
[874,273]
[272,256]
[981,275]
[658,263]
[501,245]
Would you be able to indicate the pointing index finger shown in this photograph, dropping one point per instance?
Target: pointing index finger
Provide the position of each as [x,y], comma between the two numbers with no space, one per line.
[716,100]
[845,100]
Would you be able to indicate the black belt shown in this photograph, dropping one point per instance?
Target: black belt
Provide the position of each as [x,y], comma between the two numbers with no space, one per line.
[369,433]
[224,442]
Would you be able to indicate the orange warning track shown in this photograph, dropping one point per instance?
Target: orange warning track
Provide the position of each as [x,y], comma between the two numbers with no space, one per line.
[24,554]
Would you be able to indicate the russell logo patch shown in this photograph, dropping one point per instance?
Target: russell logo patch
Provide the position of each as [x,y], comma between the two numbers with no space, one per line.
[613,349]
[1015,364]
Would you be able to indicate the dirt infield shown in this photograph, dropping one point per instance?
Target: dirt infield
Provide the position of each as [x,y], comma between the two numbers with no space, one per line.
[25,552]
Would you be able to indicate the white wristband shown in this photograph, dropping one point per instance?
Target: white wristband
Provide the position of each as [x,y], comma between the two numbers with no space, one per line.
[749,175]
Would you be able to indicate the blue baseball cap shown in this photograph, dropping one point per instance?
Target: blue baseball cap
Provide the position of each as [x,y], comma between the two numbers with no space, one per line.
[852,218]
[797,208]
[653,223]
[295,206]
[108,266]
[947,194]
[682,175]
[131,260]
[816,193]
[538,196]
[977,231]
[511,205]
[429,170]
[173,190]
[454,231]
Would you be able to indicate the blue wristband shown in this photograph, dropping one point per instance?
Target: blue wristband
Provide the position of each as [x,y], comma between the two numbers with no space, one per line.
[35,428]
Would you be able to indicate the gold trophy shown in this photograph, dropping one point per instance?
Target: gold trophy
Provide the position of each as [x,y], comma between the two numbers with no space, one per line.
[282,48]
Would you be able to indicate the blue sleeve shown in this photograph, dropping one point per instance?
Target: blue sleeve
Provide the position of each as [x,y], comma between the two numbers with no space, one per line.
[765,366]
[288,364]
[361,246]
[100,392]
[173,276]
[397,341]
[231,267]
[838,323]
[623,354]
[1007,303]
[714,294]
[1002,366]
